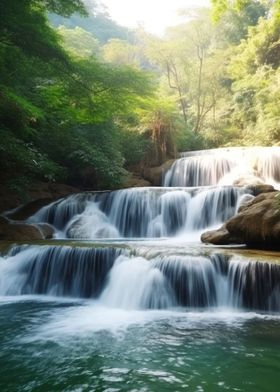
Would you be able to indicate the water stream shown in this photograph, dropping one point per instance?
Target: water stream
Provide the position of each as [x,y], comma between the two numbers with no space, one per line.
[127,299]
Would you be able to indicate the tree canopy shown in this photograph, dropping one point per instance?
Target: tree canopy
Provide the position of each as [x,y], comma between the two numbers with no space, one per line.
[82,100]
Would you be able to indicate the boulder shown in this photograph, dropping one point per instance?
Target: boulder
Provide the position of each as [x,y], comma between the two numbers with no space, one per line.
[244,201]
[36,193]
[155,174]
[46,230]
[219,237]
[50,190]
[248,180]
[257,224]
[259,198]
[26,210]
[262,188]
[19,232]
[14,231]
[136,181]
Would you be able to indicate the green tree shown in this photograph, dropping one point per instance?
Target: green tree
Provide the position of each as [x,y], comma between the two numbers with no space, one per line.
[79,42]
[66,111]
[120,52]
[159,121]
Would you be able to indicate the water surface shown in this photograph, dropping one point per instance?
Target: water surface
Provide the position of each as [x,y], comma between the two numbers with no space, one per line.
[67,345]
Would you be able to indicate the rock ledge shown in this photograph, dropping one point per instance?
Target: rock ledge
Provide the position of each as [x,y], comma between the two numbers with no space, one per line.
[257,224]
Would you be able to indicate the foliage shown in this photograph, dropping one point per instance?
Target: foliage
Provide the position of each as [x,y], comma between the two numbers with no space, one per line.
[220,7]
[64,116]
[254,70]
[120,52]
[98,23]
[79,41]
[88,100]
[21,159]
[159,117]
[224,76]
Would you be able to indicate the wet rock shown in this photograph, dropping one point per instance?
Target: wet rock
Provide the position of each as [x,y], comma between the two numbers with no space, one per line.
[136,181]
[47,230]
[155,174]
[50,191]
[259,198]
[19,232]
[249,180]
[244,201]
[257,224]
[36,193]
[25,211]
[219,237]
[264,188]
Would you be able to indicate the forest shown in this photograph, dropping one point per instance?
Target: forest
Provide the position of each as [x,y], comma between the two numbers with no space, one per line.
[81,96]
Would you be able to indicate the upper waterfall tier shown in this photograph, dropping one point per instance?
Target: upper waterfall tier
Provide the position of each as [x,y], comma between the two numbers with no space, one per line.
[226,166]
[141,212]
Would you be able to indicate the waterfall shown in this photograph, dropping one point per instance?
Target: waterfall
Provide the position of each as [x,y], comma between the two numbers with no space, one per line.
[191,278]
[192,200]
[199,193]
[226,167]
[198,171]
[120,278]
[135,284]
[56,270]
[61,211]
[141,212]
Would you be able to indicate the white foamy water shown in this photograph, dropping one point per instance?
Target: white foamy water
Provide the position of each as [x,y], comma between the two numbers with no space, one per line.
[226,166]
[142,212]
[90,318]
[202,190]
[141,278]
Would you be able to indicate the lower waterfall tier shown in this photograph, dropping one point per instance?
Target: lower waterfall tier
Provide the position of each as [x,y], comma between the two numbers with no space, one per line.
[133,279]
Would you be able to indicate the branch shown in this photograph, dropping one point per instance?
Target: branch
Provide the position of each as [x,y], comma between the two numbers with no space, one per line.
[169,77]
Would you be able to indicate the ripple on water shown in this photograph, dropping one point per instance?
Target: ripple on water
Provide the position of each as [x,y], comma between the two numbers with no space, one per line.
[81,346]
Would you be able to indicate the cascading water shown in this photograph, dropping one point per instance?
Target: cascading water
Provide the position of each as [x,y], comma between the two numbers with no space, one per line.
[232,166]
[199,193]
[135,284]
[198,171]
[115,277]
[119,278]
[59,271]
[139,311]
[141,212]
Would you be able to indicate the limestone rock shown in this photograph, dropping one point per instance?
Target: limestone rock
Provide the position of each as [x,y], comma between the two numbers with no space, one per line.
[26,210]
[257,224]
[249,180]
[155,174]
[136,181]
[262,188]
[244,201]
[46,230]
[19,232]
[219,237]
[37,192]
[51,190]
